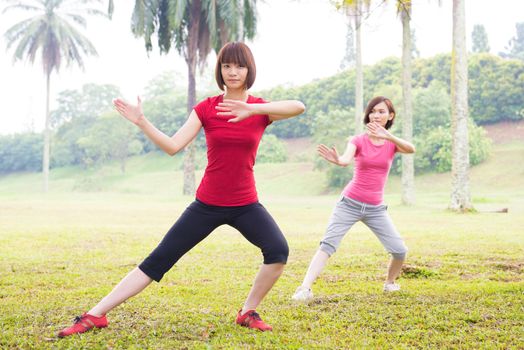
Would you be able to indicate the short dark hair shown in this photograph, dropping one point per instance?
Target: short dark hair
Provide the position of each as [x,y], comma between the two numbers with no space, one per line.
[375,101]
[238,53]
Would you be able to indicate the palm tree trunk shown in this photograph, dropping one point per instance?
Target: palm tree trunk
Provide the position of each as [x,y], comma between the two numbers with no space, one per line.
[460,194]
[189,154]
[359,95]
[191,60]
[408,172]
[47,136]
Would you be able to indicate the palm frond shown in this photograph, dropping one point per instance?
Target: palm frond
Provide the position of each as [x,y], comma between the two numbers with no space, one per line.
[164,25]
[209,10]
[179,12]
[24,7]
[204,42]
[25,27]
[138,18]
[250,19]
[145,21]
[77,19]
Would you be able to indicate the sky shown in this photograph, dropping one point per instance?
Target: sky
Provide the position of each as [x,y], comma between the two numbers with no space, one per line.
[297,41]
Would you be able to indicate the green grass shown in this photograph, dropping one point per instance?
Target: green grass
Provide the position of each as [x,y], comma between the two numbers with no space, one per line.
[463,285]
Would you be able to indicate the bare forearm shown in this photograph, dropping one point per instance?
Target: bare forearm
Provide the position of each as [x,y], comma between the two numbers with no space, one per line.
[402,145]
[280,109]
[345,160]
[164,142]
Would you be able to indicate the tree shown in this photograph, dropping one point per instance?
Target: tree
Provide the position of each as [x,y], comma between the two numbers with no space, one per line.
[479,38]
[348,61]
[415,53]
[51,33]
[515,48]
[87,103]
[109,138]
[355,9]
[460,193]
[408,168]
[77,112]
[194,27]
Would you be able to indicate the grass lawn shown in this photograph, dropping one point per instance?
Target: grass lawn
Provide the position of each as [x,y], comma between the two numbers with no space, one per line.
[463,286]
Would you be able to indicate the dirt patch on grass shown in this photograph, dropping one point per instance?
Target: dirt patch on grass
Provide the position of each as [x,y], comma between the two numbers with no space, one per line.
[300,149]
[505,132]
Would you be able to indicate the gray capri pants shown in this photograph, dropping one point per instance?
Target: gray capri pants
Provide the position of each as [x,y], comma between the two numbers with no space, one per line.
[348,211]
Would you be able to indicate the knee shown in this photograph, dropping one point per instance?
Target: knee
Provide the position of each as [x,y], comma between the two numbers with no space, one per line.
[401,254]
[327,248]
[277,253]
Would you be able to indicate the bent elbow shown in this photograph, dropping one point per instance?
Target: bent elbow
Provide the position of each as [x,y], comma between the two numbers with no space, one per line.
[301,107]
[172,151]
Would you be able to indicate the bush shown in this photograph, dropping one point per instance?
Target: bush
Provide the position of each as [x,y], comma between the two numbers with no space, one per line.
[434,148]
[271,150]
[21,152]
[334,129]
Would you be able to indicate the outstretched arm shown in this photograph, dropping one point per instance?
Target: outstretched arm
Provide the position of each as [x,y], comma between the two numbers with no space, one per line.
[170,145]
[275,110]
[331,154]
[403,146]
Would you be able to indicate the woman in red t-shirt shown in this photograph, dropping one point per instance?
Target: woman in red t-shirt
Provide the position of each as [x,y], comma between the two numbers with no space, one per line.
[234,123]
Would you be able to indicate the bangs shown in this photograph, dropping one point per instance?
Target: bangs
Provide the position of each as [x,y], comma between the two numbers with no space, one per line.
[234,54]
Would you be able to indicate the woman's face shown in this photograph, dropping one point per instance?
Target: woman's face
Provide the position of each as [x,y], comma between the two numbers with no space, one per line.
[234,75]
[380,114]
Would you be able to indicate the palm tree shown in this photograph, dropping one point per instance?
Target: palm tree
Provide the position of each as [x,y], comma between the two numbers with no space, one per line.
[194,27]
[355,9]
[408,169]
[50,34]
[460,195]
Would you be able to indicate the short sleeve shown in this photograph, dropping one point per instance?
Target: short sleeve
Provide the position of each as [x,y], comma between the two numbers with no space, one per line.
[201,110]
[395,148]
[357,141]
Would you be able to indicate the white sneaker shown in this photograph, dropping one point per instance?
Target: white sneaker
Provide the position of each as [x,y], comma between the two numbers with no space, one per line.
[303,295]
[391,287]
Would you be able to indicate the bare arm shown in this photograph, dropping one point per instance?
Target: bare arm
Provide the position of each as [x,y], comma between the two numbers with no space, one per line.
[331,154]
[403,146]
[275,110]
[170,145]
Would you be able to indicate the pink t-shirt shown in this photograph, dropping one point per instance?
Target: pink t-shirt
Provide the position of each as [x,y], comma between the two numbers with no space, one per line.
[372,165]
[231,151]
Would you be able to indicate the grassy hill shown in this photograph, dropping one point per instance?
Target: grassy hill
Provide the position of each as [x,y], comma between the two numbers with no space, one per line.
[156,174]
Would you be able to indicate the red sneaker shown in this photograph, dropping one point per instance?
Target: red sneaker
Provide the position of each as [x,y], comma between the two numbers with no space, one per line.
[83,324]
[251,319]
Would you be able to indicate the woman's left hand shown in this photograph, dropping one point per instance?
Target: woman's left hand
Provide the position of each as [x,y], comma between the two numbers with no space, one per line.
[378,131]
[239,109]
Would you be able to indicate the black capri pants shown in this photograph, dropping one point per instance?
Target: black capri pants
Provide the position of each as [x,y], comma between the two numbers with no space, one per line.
[199,220]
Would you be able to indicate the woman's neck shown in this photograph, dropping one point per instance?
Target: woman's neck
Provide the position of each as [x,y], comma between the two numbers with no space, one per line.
[375,140]
[236,94]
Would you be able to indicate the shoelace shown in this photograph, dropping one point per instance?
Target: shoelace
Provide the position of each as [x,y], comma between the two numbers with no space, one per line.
[77,319]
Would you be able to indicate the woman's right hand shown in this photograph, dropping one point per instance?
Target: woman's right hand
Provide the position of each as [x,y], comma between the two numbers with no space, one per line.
[132,113]
[329,154]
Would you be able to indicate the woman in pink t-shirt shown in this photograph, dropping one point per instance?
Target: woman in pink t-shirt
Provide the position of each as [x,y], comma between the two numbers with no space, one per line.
[234,123]
[362,198]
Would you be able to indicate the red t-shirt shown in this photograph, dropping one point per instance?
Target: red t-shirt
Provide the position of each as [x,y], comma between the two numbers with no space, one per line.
[231,151]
